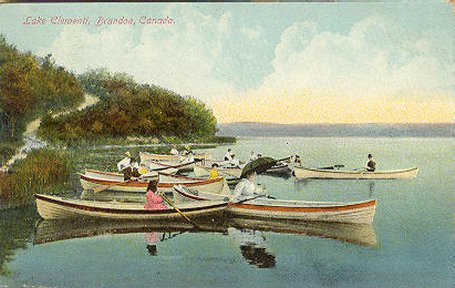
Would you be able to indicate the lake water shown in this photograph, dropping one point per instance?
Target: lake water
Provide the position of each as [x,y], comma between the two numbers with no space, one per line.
[410,243]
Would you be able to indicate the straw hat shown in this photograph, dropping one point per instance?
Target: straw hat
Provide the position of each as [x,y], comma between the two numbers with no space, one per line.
[128,154]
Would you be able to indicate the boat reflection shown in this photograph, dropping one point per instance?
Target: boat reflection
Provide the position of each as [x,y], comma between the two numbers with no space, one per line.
[359,234]
[250,234]
[253,247]
[54,230]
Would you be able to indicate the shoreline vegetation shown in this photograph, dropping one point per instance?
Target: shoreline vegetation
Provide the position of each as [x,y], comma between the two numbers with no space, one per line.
[127,114]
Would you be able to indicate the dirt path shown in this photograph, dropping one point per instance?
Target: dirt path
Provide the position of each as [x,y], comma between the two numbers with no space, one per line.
[31,140]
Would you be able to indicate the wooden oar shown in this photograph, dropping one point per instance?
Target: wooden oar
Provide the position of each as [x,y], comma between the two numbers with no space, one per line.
[179,211]
[103,188]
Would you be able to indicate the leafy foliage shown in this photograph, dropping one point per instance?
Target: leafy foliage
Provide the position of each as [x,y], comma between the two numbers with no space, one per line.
[127,108]
[29,87]
[42,171]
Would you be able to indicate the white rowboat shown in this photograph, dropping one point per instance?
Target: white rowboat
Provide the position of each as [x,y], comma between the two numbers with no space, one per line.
[216,185]
[52,207]
[315,173]
[341,212]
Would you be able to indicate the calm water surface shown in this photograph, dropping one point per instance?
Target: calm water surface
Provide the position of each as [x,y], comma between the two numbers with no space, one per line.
[409,244]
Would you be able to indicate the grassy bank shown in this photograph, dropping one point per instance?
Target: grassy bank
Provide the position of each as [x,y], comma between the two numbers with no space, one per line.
[43,171]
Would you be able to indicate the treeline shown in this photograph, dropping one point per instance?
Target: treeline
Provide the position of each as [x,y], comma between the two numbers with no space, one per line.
[127,108]
[31,86]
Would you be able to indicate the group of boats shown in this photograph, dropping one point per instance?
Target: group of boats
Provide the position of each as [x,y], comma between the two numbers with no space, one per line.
[200,196]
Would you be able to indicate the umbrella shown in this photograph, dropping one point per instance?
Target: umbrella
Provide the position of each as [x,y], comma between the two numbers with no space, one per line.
[259,165]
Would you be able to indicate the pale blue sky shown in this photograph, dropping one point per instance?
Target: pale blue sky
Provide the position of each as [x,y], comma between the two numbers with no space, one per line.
[245,56]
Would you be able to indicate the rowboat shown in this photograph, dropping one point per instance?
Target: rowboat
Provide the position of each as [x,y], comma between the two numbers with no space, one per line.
[202,171]
[152,175]
[145,157]
[281,168]
[265,208]
[157,166]
[315,173]
[184,195]
[359,234]
[215,185]
[53,207]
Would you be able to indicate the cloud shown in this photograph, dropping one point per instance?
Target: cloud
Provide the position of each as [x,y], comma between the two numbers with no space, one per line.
[252,33]
[374,73]
[181,57]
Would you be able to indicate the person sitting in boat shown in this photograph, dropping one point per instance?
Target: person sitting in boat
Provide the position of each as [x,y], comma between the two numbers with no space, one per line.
[174,150]
[132,171]
[189,157]
[214,171]
[125,162]
[228,155]
[253,156]
[234,163]
[153,201]
[371,165]
[246,187]
[187,150]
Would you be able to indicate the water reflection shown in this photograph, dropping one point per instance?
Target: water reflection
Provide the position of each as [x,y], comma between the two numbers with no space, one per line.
[16,226]
[371,188]
[253,247]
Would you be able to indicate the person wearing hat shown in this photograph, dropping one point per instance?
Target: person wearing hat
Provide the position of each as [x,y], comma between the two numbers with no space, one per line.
[214,171]
[228,156]
[246,187]
[371,165]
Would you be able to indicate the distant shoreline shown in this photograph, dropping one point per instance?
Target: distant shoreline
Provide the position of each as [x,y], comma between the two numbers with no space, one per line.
[255,129]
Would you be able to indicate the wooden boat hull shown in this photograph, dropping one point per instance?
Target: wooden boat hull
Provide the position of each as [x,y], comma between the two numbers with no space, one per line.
[282,169]
[185,195]
[201,171]
[181,167]
[216,185]
[145,157]
[204,171]
[313,173]
[355,212]
[52,207]
[118,176]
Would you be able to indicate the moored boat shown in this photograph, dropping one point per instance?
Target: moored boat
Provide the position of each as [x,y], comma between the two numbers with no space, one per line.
[342,212]
[202,171]
[316,173]
[145,157]
[216,185]
[184,194]
[53,207]
[159,166]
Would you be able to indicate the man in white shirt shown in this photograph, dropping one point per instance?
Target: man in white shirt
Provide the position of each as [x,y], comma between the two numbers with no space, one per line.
[234,162]
[228,156]
[125,162]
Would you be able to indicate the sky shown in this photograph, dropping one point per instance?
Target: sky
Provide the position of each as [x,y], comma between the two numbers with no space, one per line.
[265,62]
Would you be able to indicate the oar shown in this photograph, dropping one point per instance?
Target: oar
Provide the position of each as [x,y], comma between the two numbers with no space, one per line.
[179,211]
[336,166]
[103,188]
